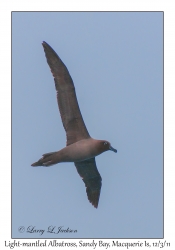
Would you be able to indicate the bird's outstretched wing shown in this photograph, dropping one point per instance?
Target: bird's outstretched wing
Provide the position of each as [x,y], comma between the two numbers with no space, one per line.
[89,173]
[67,101]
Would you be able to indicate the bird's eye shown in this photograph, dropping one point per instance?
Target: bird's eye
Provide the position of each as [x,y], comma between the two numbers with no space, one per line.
[105,143]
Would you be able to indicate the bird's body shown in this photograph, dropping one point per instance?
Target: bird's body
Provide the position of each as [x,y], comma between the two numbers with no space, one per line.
[81,148]
[78,151]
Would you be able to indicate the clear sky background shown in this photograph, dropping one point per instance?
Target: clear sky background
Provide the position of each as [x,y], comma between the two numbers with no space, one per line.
[116,62]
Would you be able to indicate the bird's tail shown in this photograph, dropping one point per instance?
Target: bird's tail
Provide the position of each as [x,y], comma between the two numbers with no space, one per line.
[46,160]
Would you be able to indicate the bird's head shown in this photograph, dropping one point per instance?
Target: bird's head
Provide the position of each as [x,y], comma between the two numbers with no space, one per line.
[105,146]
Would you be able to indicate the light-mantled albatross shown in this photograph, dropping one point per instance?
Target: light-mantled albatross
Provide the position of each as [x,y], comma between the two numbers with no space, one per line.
[81,148]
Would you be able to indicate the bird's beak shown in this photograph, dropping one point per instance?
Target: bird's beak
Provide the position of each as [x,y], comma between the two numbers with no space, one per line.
[113,149]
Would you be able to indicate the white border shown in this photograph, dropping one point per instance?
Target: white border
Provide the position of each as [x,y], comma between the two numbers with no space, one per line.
[169,98]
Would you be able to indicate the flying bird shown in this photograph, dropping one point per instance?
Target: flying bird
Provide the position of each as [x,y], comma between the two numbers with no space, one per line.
[80,148]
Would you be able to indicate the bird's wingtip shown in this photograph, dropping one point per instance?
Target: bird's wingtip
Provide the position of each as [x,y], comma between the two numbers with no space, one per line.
[44,43]
[94,203]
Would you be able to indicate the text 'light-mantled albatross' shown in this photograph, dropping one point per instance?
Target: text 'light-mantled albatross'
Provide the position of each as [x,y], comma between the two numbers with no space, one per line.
[81,148]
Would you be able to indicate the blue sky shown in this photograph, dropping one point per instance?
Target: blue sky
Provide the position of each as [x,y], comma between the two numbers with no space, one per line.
[116,62]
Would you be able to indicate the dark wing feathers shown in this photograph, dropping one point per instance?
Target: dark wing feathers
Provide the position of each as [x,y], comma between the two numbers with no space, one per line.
[89,173]
[66,97]
[73,122]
